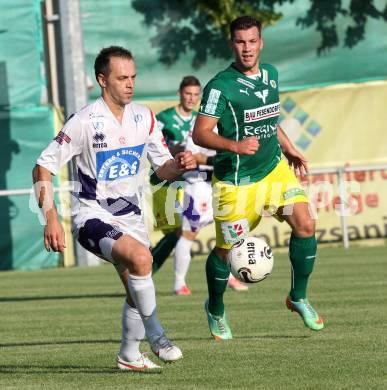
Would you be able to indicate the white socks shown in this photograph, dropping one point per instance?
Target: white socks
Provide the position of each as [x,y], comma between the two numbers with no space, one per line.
[182,261]
[142,291]
[133,332]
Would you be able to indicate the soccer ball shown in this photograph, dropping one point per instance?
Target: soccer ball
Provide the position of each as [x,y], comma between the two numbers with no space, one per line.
[250,260]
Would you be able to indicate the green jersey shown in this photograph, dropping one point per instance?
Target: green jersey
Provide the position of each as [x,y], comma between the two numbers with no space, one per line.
[175,128]
[245,107]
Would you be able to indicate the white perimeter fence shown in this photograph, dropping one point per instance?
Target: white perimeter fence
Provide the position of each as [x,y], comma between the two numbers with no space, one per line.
[338,171]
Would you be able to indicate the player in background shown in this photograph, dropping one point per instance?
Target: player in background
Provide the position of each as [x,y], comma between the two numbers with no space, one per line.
[197,213]
[109,141]
[176,123]
[249,174]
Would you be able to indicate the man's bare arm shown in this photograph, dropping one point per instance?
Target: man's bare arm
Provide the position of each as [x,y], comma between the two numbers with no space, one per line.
[173,168]
[203,135]
[54,237]
[295,159]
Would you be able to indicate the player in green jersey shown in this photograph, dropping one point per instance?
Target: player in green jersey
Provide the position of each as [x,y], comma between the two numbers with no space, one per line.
[250,176]
[176,123]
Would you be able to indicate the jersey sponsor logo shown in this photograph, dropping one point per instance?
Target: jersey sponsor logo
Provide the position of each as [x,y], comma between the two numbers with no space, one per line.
[119,163]
[261,132]
[100,145]
[138,118]
[261,113]
[273,84]
[212,101]
[262,95]
[99,138]
[245,91]
[245,83]
[234,231]
[62,137]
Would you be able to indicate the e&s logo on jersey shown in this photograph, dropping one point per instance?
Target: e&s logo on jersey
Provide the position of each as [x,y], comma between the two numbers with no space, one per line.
[118,163]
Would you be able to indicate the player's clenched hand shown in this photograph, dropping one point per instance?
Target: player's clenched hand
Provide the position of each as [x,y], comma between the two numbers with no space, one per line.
[54,237]
[248,145]
[185,161]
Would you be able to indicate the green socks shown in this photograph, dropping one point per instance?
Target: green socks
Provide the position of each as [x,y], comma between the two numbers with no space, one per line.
[302,253]
[217,273]
[163,249]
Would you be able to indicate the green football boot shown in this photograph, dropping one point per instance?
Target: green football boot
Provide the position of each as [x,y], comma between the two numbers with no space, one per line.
[310,317]
[218,325]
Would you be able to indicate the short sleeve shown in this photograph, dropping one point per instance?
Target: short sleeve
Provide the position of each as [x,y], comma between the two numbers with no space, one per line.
[214,101]
[157,148]
[67,144]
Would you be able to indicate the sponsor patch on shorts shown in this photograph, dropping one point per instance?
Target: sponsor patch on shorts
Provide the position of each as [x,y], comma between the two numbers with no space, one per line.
[234,231]
[293,192]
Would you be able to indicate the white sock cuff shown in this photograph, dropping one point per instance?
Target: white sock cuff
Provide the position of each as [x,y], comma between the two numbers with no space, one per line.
[137,277]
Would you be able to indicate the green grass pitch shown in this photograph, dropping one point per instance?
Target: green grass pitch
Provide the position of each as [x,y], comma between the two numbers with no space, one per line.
[60,329]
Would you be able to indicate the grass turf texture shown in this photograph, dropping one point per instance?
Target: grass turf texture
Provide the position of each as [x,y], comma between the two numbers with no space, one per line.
[60,329]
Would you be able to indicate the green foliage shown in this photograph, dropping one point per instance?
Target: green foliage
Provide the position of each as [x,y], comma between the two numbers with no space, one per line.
[222,12]
[61,330]
[201,26]
[323,14]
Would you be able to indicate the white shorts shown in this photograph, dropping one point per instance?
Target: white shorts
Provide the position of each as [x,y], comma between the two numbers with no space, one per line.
[97,232]
[197,206]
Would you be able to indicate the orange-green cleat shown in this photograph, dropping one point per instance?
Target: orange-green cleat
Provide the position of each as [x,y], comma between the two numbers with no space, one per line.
[218,325]
[310,317]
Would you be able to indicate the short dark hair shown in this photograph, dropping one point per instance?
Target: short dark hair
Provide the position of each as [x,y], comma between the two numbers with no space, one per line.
[189,81]
[101,64]
[244,23]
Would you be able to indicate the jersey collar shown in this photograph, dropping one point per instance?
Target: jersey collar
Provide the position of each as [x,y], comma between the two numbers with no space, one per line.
[233,68]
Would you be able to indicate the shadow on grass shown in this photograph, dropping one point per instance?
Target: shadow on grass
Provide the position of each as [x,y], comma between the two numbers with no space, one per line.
[19,369]
[59,342]
[271,336]
[60,297]
[113,341]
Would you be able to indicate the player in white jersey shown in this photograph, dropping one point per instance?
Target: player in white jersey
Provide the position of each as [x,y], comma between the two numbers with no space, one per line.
[197,213]
[110,141]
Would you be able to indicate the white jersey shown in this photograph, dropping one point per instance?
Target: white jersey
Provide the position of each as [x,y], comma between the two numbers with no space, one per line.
[110,157]
[203,173]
